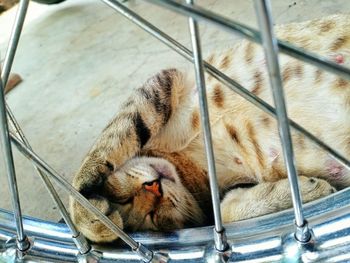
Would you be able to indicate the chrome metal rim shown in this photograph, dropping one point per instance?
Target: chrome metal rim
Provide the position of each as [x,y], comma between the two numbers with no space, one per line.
[260,238]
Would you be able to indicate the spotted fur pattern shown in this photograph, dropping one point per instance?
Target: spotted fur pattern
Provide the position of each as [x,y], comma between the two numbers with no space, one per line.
[148,169]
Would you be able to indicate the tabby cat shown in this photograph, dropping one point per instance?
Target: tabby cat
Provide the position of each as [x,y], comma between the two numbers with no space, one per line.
[148,169]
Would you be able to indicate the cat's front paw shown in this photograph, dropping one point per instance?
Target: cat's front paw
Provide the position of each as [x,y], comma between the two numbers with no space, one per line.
[312,188]
[90,225]
[90,179]
[270,197]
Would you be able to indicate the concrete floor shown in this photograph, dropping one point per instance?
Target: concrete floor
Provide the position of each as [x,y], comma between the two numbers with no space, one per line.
[80,59]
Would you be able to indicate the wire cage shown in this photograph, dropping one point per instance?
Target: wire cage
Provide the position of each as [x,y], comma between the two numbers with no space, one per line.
[316,232]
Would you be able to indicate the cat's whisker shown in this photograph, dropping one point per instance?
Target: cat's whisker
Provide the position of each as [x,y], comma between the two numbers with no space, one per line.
[158,131]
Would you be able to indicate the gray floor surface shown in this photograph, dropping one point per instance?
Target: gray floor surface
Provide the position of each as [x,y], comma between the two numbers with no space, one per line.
[80,59]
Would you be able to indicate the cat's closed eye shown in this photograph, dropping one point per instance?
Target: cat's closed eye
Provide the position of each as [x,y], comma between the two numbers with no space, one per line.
[126,200]
[160,172]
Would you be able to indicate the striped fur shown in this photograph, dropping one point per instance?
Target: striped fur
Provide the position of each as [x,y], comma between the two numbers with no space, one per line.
[147,171]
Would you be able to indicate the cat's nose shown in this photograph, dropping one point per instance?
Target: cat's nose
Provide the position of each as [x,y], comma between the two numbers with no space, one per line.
[153,187]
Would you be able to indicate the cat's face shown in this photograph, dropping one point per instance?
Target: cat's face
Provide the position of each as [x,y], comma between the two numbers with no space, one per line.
[150,195]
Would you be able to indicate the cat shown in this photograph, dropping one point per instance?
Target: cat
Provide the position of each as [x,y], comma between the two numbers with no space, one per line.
[148,169]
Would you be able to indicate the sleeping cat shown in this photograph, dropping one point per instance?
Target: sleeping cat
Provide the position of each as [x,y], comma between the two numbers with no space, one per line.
[148,170]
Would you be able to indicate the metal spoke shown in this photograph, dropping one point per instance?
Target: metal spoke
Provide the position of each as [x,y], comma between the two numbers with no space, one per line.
[217,74]
[219,231]
[13,43]
[254,35]
[80,241]
[271,54]
[271,44]
[22,240]
[145,254]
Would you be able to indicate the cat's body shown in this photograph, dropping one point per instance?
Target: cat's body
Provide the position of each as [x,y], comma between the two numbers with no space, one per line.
[169,189]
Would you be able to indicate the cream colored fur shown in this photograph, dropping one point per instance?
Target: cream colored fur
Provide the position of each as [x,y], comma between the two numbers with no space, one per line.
[156,140]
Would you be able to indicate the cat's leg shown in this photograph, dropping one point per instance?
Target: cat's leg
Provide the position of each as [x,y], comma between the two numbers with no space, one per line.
[269,197]
[148,112]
